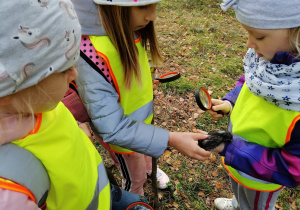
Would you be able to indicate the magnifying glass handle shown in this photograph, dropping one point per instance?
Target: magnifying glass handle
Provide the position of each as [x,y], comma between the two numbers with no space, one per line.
[220,112]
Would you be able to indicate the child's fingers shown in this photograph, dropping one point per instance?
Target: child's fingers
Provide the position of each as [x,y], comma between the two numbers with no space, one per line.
[216,102]
[156,81]
[200,154]
[220,106]
[154,86]
[214,114]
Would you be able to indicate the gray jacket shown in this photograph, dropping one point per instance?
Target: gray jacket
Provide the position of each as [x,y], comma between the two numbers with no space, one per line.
[101,99]
[108,118]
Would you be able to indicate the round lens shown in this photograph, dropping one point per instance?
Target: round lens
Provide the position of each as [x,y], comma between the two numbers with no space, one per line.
[204,98]
[168,75]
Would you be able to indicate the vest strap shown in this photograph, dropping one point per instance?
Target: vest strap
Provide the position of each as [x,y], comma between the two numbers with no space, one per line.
[22,167]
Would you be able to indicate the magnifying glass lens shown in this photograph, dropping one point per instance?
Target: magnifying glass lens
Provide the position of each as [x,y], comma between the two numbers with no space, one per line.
[204,99]
[167,76]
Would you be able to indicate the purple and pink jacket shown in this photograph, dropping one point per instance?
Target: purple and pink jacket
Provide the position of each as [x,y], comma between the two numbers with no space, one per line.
[276,165]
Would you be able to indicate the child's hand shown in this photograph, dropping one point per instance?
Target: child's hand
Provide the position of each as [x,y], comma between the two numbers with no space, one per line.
[86,130]
[187,144]
[155,83]
[218,105]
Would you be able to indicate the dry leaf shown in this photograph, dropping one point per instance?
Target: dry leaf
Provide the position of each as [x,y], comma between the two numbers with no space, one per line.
[167,154]
[213,158]
[201,194]
[175,205]
[215,173]
[191,171]
[160,195]
[177,163]
[219,185]
[169,161]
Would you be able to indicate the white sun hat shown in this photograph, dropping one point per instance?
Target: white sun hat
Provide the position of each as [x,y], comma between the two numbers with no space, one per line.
[126,2]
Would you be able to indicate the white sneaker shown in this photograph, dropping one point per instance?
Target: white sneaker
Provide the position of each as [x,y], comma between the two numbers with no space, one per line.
[223,204]
[162,179]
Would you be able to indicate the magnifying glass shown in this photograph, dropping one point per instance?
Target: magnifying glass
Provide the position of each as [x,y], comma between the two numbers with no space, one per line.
[203,99]
[139,206]
[168,77]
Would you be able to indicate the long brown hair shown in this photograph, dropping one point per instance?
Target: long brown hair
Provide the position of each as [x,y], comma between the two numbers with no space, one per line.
[117,24]
[294,34]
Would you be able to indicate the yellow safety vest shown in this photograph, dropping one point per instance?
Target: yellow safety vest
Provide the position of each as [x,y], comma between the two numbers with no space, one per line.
[262,123]
[138,96]
[77,174]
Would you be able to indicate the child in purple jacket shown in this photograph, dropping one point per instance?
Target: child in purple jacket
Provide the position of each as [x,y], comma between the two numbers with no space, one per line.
[264,107]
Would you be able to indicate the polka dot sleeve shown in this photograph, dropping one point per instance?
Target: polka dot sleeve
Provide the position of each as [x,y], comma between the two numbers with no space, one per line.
[88,49]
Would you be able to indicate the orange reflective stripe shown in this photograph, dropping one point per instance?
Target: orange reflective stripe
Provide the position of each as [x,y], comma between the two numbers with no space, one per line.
[108,147]
[110,69]
[111,72]
[138,39]
[123,153]
[36,126]
[291,128]
[73,83]
[242,183]
[16,187]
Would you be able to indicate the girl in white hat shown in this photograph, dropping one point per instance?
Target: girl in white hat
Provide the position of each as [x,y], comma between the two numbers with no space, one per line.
[120,101]
[265,120]
[46,160]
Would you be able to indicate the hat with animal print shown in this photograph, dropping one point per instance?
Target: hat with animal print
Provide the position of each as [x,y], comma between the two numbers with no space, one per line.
[265,14]
[126,2]
[37,38]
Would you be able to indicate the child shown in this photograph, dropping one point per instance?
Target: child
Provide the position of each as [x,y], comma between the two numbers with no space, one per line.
[264,155]
[46,159]
[121,112]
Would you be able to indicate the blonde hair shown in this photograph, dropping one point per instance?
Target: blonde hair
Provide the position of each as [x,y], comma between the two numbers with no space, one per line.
[117,24]
[294,34]
[20,104]
[17,105]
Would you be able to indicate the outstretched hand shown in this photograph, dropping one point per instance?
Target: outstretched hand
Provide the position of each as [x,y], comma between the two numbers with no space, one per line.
[187,144]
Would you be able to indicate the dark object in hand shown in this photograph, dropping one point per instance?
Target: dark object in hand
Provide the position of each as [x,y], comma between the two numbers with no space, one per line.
[215,138]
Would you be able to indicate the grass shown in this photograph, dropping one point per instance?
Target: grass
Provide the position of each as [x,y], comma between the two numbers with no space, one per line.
[207,46]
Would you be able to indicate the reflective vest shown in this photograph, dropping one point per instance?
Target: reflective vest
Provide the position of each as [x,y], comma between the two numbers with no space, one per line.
[262,123]
[77,174]
[22,172]
[138,101]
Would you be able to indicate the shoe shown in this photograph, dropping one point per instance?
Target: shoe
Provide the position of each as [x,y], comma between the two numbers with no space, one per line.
[223,204]
[162,179]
